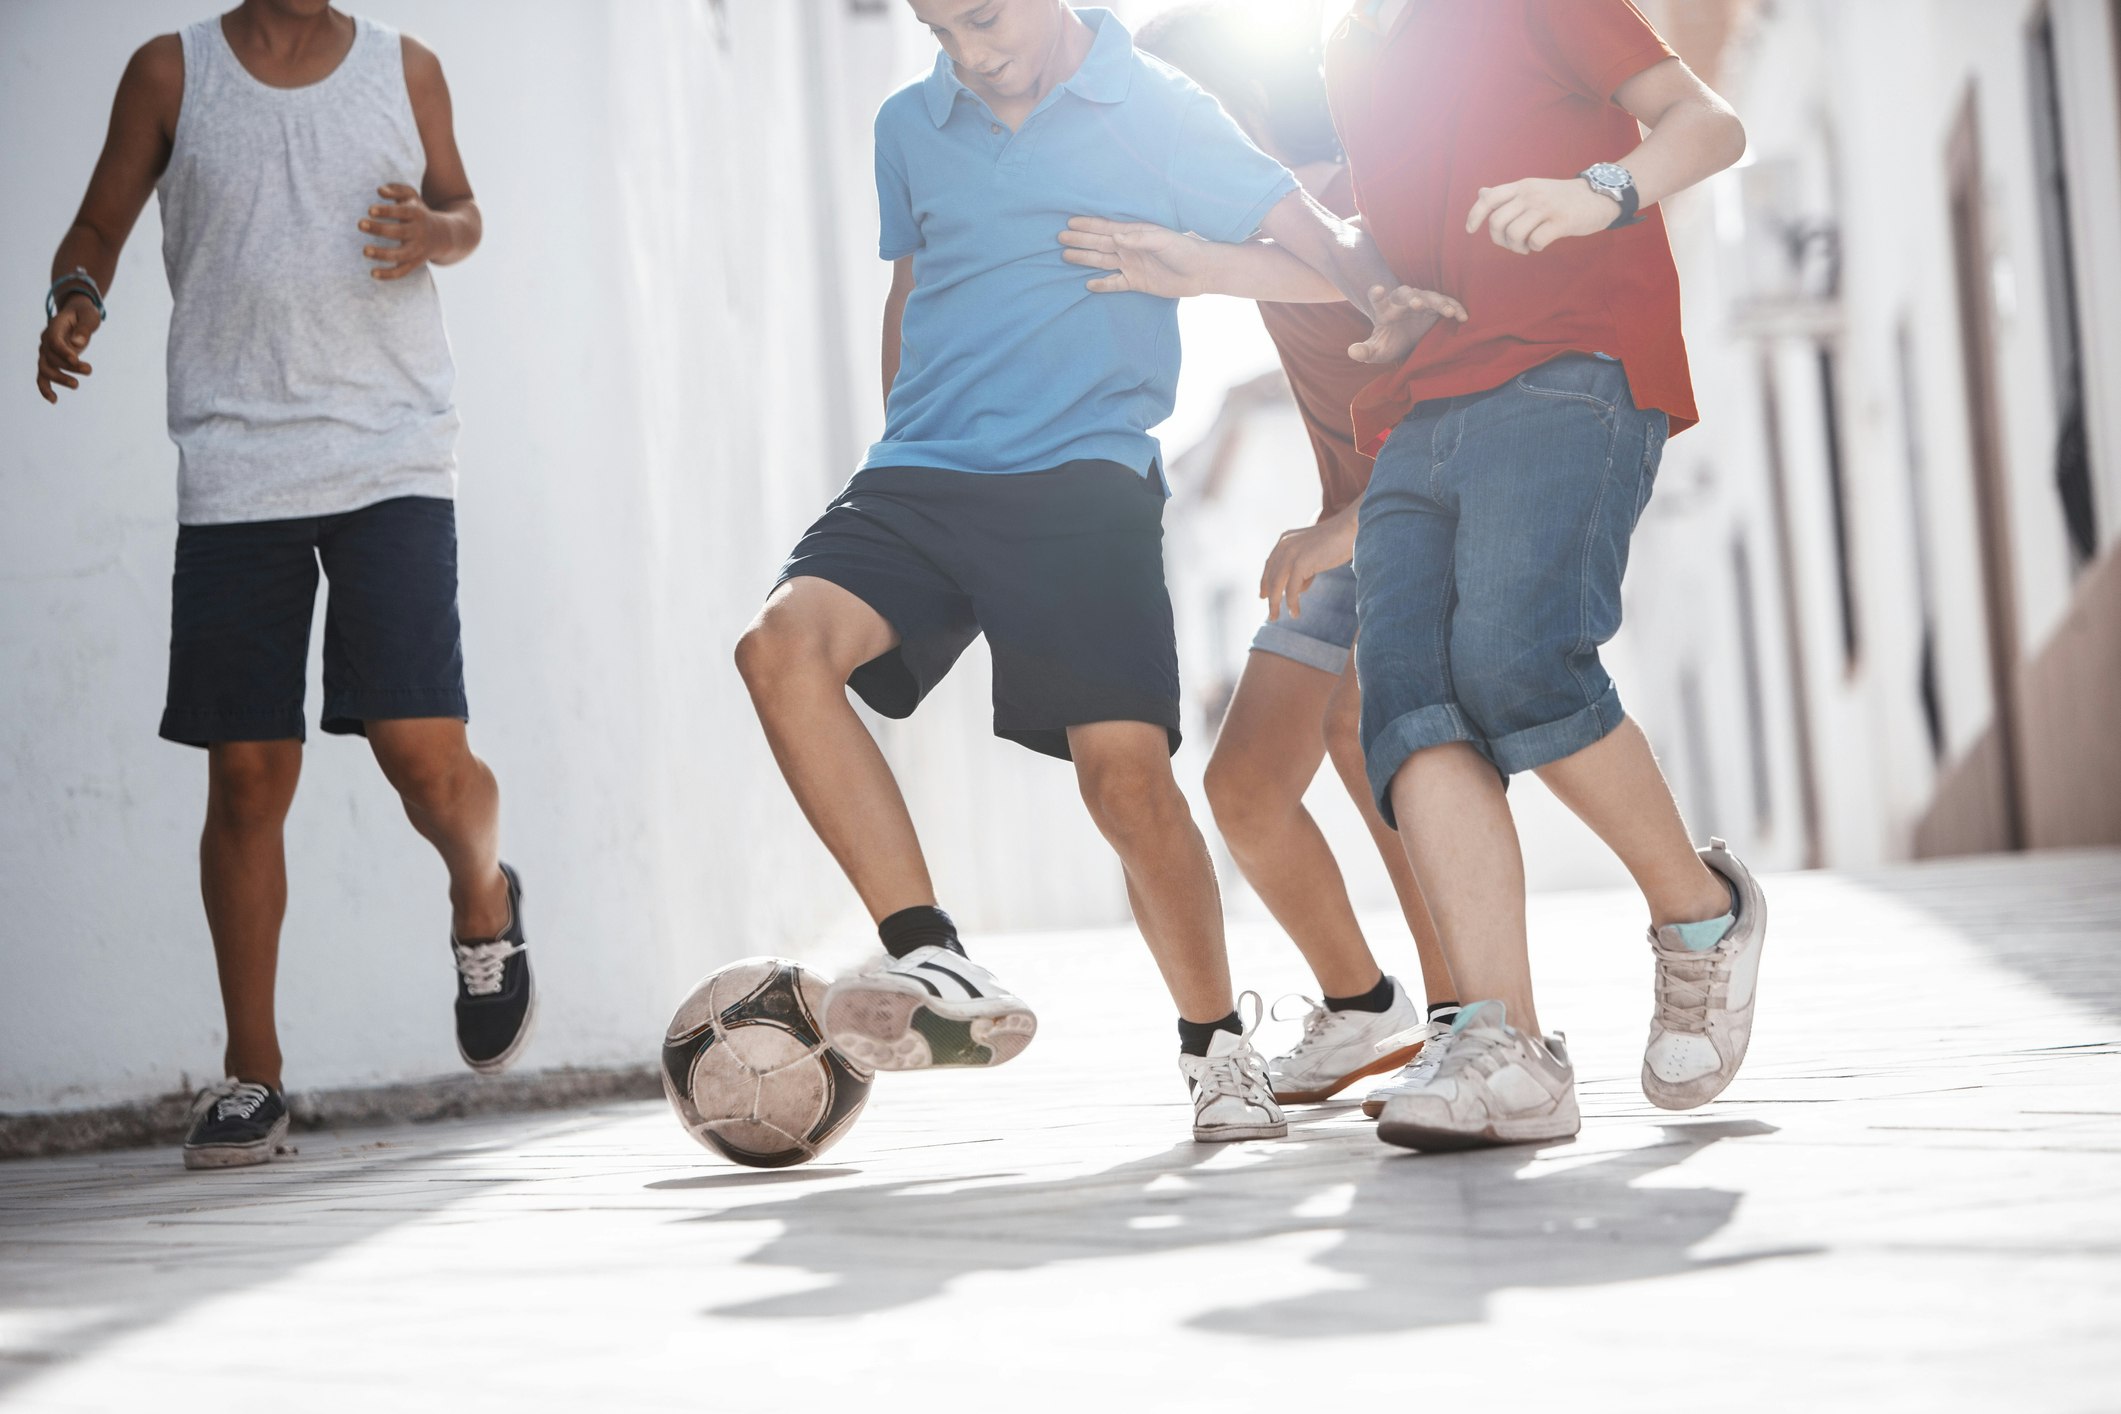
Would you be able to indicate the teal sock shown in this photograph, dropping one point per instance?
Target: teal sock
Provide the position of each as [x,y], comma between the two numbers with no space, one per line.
[1700,937]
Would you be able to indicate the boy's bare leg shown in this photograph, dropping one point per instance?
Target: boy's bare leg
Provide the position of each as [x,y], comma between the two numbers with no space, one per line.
[1615,787]
[1124,771]
[1265,757]
[1344,745]
[1455,824]
[795,659]
[243,880]
[454,802]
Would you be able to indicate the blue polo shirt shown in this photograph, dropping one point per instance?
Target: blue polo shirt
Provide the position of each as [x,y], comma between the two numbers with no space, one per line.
[1008,364]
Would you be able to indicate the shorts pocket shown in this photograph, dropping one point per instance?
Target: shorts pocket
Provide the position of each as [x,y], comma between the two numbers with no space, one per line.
[1582,377]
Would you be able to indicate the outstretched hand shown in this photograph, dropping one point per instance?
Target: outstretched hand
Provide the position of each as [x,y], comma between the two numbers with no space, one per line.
[64,340]
[1144,258]
[1399,319]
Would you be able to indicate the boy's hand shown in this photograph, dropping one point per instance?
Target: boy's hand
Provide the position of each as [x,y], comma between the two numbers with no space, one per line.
[65,338]
[1146,259]
[406,220]
[1399,319]
[1530,215]
[1301,556]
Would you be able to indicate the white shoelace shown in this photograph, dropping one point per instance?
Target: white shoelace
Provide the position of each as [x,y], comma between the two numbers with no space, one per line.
[1320,1020]
[1241,1074]
[483,965]
[1433,1036]
[240,1100]
[1684,984]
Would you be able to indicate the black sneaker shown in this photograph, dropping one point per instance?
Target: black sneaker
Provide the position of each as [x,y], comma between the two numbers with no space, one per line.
[235,1124]
[495,1001]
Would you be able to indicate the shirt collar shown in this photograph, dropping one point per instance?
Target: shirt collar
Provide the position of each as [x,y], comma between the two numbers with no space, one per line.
[1105,75]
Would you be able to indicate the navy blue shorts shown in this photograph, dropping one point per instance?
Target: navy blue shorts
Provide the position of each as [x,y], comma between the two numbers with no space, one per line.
[241,604]
[1063,570]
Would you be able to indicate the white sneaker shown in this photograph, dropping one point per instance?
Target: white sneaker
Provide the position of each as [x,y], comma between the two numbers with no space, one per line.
[932,1007]
[1427,1044]
[1341,1047]
[1493,1084]
[1231,1097]
[1703,1020]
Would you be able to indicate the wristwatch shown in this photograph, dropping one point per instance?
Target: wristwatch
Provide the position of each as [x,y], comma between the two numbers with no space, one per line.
[1613,180]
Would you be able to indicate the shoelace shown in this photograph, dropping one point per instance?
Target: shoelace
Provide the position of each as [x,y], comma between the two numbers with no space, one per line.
[1684,984]
[483,965]
[1318,1018]
[1432,1035]
[1466,1049]
[241,1102]
[1241,1074]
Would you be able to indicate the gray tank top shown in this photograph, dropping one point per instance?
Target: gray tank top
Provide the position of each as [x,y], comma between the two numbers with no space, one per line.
[299,385]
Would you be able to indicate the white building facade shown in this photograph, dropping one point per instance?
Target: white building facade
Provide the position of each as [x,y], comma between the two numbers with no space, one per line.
[667,359]
[1881,576]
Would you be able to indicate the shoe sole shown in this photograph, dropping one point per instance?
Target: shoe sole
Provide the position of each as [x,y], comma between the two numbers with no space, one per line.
[886,1029]
[507,1058]
[1377,1067]
[1237,1132]
[1441,1141]
[238,1156]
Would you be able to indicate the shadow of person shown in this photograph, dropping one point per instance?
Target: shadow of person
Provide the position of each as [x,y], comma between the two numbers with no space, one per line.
[1425,1240]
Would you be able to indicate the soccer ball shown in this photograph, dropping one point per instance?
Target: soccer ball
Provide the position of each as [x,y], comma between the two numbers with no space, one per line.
[748,1069]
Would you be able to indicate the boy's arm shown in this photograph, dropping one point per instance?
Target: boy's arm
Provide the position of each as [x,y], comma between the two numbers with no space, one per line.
[895,320]
[143,123]
[1693,135]
[1155,260]
[1346,255]
[438,222]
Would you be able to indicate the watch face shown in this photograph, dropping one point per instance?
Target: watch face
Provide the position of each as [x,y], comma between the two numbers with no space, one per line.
[1610,174]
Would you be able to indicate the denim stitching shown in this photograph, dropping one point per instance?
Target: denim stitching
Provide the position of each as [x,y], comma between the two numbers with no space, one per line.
[1583,580]
[1610,406]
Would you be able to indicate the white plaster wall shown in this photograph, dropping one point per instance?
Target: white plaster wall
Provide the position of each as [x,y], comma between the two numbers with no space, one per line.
[1879,85]
[666,353]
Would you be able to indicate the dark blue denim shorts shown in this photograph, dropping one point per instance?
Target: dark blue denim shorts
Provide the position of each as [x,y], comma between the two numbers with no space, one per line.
[243,597]
[1494,537]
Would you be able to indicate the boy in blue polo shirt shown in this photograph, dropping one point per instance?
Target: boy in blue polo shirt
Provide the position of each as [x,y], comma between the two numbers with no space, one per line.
[1016,492]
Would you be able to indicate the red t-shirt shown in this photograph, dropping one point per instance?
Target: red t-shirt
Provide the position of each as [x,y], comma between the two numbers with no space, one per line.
[1458,96]
[1313,341]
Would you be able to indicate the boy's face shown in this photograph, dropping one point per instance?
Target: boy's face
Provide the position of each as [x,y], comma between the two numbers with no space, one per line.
[999,46]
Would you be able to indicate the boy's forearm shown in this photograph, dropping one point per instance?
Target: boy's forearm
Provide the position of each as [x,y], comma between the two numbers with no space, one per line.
[1690,143]
[85,248]
[1263,270]
[459,227]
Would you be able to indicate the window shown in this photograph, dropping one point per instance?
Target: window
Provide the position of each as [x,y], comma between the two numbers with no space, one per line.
[1755,688]
[1918,530]
[2073,473]
[1837,495]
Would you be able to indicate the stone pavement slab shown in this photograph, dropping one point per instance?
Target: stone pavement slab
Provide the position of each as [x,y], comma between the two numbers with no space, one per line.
[1906,1202]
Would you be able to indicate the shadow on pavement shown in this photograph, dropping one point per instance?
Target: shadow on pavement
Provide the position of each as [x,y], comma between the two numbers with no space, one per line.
[1425,1240]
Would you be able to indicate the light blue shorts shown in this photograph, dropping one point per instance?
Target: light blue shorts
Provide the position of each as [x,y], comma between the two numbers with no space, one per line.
[1321,636]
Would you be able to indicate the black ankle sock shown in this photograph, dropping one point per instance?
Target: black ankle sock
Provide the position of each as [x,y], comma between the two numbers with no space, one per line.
[1193,1036]
[1378,998]
[923,926]
[1445,1012]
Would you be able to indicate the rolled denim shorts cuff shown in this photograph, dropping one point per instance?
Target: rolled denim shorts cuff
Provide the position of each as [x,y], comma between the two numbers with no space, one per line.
[1534,747]
[1284,641]
[1406,734]
[348,714]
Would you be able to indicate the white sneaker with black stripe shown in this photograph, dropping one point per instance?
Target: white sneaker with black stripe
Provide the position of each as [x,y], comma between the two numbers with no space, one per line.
[932,1007]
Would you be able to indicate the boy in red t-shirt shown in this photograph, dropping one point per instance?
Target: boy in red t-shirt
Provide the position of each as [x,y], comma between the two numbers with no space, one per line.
[1497,159]
[1296,702]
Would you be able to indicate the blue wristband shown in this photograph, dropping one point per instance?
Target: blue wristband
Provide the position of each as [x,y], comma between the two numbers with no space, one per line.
[80,280]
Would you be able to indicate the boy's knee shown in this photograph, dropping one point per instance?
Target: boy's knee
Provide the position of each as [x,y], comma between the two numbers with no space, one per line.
[1132,796]
[1240,797]
[251,784]
[774,650]
[426,774]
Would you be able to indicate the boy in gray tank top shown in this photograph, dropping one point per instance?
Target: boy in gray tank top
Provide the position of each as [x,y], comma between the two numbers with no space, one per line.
[309,177]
